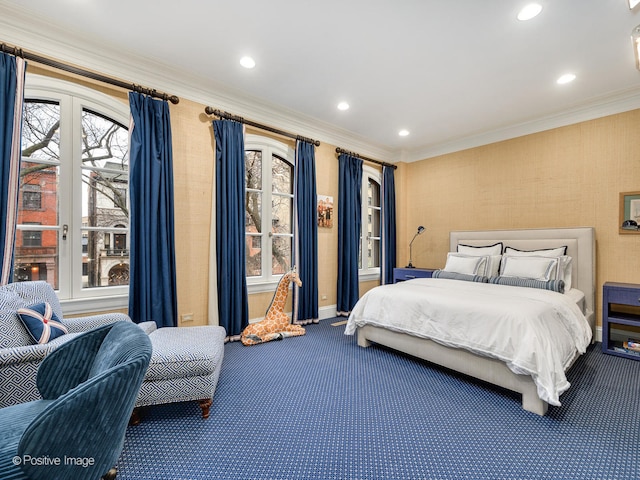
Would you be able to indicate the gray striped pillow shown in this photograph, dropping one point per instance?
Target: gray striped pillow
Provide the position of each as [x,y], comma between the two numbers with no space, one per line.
[459,276]
[555,285]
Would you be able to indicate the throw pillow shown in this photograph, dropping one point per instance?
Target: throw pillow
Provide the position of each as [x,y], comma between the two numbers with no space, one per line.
[42,324]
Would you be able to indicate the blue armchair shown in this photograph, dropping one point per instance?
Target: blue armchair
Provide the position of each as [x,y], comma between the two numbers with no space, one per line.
[89,386]
[19,357]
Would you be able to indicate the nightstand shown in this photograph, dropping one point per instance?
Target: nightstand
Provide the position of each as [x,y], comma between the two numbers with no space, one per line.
[402,274]
[620,318]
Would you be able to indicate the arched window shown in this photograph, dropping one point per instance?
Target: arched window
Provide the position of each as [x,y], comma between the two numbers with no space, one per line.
[74,183]
[268,209]
[369,260]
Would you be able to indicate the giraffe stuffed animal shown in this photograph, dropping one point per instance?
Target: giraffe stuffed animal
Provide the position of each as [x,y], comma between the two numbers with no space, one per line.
[276,324]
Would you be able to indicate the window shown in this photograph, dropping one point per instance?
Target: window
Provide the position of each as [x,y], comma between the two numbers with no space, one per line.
[369,259]
[31,197]
[32,238]
[74,182]
[268,210]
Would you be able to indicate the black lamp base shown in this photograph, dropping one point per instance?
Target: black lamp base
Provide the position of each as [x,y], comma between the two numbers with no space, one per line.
[410,266]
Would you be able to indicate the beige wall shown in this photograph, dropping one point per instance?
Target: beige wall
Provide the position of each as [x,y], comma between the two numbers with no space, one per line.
[566,177]
[193,156]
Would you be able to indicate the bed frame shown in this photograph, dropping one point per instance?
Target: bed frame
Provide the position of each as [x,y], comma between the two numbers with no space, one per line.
[580,244]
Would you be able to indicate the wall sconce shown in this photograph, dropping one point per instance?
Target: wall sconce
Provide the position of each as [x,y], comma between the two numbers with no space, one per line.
[635,39]
[420,230]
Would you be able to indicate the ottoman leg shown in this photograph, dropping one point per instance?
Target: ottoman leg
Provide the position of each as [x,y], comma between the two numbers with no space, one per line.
[135,416]
[205,405]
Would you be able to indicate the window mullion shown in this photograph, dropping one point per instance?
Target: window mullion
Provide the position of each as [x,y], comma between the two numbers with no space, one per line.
[267,213]
[65,197]
[76,208]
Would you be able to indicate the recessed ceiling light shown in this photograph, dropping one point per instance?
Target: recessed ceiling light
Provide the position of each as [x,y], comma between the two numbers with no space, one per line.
[343,106]
[247,62]
[529,11]
[633,4]
[566,78]
[403,133]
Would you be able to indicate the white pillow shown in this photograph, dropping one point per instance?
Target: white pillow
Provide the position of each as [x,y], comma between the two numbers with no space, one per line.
[545,252]
[564,271]
[492,252]
[538,268]
[495,249]
[466,264]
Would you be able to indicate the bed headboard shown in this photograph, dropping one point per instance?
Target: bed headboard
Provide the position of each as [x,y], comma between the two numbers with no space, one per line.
[580,242]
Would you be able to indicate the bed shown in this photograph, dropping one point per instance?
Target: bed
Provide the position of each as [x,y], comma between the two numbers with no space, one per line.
[439,347]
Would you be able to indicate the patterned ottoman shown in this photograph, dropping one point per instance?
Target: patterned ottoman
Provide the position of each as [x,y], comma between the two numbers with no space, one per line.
[185,365]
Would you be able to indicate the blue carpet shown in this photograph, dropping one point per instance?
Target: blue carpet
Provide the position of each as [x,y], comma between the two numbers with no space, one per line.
[320,407]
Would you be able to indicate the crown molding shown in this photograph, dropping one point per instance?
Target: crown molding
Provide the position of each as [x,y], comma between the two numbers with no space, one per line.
[617,102]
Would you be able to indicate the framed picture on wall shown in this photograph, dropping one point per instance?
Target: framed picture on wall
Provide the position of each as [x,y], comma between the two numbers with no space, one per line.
[629,220]
[325,211]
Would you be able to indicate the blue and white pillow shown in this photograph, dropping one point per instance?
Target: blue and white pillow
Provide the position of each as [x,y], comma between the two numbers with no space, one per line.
[42,324]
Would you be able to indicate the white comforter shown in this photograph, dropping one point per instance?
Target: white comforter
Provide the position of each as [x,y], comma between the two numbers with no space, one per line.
[535,332]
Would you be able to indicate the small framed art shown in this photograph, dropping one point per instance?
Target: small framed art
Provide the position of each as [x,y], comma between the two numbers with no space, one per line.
[325,211]
[629,220]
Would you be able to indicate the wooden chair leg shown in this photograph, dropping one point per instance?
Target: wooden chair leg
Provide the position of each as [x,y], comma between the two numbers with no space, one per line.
[111,474]
[135,417]
[205,405]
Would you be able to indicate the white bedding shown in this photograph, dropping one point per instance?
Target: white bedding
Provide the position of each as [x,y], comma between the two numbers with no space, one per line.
[535,332]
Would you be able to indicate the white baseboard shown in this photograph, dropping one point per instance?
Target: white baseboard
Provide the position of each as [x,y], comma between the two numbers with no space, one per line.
[327,312]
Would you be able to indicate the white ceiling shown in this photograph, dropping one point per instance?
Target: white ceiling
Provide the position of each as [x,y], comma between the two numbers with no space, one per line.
[456,74]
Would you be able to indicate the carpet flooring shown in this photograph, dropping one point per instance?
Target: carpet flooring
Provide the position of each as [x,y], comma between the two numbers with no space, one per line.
[320,407]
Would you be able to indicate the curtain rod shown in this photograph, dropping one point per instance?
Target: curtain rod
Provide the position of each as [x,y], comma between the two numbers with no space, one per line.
[18,52]
[235,118]
[384,164]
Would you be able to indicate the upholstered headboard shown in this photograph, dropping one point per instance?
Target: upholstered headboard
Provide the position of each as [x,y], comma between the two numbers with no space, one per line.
[580,242]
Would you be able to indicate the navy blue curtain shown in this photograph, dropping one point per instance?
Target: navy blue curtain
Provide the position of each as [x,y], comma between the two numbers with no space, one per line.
[349,225]
[12,72]
[388,226]
[233,303]
[152,282]
[306,235]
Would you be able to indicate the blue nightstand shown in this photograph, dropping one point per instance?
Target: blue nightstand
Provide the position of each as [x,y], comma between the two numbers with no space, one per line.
[402,274]
[624,321]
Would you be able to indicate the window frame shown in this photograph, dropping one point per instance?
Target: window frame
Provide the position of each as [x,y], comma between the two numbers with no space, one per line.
[269,147]
[369,273]
[72,99]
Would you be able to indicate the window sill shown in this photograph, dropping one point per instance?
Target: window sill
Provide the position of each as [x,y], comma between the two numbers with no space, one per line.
[262,287]
[92,305]
[368,276]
